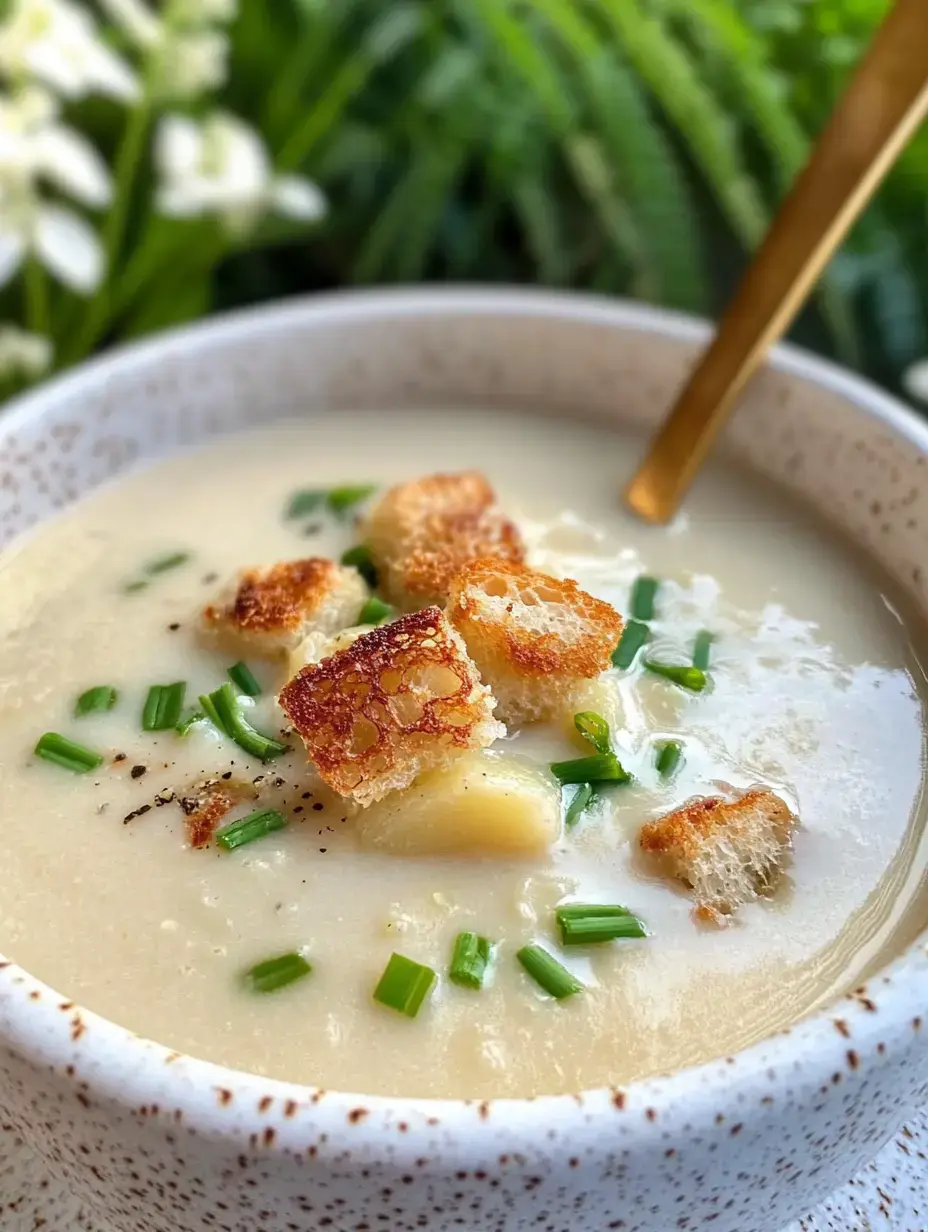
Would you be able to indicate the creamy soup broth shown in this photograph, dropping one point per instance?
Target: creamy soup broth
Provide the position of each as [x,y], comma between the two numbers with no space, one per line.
[816,692]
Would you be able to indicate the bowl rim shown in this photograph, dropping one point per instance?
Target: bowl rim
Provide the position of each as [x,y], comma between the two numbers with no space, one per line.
[140,1073]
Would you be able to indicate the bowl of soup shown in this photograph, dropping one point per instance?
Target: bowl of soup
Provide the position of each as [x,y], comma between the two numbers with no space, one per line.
[398,834]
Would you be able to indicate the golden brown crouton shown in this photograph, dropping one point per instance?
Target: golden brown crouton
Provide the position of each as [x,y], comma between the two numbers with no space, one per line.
[273,609]
[536,640]
[400,700]
[725,851]
[421,533]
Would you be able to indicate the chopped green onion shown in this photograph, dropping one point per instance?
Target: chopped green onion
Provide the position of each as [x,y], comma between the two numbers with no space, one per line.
[642,602]
[303,503]
[223,709]
[701,649]
[64,752]
[132,588]
[206,702]
[375,612]
[590,924]
[691,678]
[241,674]
[162,564]
[604,767]
[594,729]
[669,757]
[634,636]
[277,973]
[582,797]
[340,500]
[163,706]
[404,985]
[248,829]
[469,960]
[548,972]
[103,697]
[582,911]
[184,726]
[360,558]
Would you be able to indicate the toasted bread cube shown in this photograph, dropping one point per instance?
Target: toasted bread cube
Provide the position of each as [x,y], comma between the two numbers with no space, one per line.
[724,851]
[484,803]
[535,639]
[398,701]
[319,646]
[421,533]
[271,610]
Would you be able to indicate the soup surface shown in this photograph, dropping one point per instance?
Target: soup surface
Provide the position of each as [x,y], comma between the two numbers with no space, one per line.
[816,692]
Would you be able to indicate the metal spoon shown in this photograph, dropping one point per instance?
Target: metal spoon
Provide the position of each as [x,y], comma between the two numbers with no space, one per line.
[880,110]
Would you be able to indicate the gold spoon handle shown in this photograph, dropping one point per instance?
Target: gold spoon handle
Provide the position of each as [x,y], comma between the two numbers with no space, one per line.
[885,102]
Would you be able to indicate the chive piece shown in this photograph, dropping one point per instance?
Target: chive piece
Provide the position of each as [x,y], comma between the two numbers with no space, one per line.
[184,726]
[241,674]
[469,960]
[163,706]
[590,925]
[404,985]
[548,972]
[103,697]
[249,829]
[642,602]
[604,767]
[701,649]
[133,588]
[64,752]
[634,636]
[229,719]
[360,557]
[578,804]
[303,503]
[340,500]
[691,678]
[594,729]
[277,973]
[206,702]
[669,757]
[375,612]
[582,911]
[161,564]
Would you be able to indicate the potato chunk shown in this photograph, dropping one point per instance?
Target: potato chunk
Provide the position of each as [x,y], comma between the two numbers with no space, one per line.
[400,700]
[421,533]
[536,640]
[485,803]
[724,851]
[271,610]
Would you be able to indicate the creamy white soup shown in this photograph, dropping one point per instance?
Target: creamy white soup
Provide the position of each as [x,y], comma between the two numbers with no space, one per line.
[815,691]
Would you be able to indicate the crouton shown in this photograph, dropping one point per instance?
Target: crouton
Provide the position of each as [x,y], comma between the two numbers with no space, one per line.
[421,533]
[535,640]
[400,700]
[483,803]
[271,610]
[319,646]
[725,851]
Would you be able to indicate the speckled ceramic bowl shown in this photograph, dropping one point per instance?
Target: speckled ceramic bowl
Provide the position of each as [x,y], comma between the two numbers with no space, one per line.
[161,1142]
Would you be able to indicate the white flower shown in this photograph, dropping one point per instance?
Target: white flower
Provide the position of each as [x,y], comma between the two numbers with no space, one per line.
[135,19]
[23,354]
[221,166]
[190,63]
[915,381]
[57,42]
[35,148]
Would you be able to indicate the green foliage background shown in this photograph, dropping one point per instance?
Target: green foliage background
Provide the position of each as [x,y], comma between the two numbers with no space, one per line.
[635,147]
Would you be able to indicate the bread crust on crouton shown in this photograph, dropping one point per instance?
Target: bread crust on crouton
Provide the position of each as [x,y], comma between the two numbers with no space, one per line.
[535,638]
[274,608]
[724,851]
[399,700]
[420,533]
